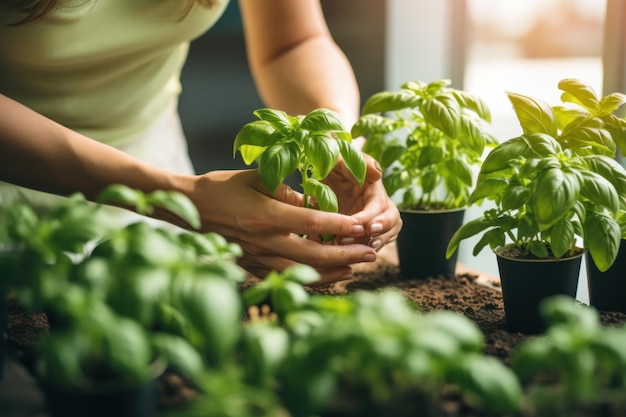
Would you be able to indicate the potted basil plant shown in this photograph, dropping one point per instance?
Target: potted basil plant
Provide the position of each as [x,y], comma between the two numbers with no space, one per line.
[310,144]
[429,139]
[582,107]
[554,199]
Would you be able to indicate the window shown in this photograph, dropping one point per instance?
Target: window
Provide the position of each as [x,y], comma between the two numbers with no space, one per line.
[527,47]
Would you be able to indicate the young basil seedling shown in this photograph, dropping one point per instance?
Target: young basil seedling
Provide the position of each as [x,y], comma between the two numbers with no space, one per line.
[311,144]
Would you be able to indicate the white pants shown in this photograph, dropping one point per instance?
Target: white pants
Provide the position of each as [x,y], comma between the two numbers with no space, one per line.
[163,145]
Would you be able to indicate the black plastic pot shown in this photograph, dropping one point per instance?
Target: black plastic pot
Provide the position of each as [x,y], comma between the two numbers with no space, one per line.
[607,290]
[3,328]
[110,400]
[8,257]
[423,241]
[526,283]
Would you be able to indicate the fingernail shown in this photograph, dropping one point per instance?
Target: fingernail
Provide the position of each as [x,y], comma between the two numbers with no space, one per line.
[376,228]
[346,241]
[377,165]
[376,243]
[358,229]
[368,257]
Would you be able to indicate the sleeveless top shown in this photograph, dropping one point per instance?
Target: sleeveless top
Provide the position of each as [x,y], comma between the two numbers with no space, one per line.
[109,69]
[105,68]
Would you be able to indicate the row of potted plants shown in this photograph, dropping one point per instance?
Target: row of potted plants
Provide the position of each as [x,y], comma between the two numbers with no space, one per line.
[555,192]
[137,302]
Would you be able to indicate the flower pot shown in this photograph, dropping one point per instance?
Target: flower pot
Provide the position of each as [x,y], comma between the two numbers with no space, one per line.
[8,257]
[3,328]
[527,282]
[423,241]
[607,290]
[104,399]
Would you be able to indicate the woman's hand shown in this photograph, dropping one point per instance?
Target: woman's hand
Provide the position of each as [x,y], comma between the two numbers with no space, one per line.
[369,204]
[237,205]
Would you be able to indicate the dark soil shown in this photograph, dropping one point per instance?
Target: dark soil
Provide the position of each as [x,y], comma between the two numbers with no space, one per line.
[518,253]
[471,295]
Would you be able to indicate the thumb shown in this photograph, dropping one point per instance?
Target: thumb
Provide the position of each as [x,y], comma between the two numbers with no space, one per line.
[373,172]
[288,195]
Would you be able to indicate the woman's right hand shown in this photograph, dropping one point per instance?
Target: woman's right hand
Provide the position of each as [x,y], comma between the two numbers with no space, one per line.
[268,228]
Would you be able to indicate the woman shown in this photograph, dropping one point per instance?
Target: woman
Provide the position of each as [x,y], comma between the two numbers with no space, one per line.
[89,93]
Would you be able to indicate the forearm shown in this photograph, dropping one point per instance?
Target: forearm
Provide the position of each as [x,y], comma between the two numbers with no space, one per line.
[37,153]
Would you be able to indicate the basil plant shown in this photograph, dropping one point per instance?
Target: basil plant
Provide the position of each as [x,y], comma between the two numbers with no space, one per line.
[429,139]
[312,144]
[557,185]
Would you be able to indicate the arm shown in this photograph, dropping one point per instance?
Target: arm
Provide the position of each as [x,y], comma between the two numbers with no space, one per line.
[38,153]
[297,67]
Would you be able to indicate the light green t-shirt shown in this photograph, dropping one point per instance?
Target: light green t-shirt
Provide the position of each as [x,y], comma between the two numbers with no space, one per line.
[106,68]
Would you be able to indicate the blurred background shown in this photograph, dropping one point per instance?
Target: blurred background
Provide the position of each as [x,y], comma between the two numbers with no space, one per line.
[486,47]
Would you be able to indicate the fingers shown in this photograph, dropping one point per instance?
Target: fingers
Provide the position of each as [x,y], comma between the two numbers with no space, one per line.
[374,171]
[300,250]
[261,265]
[286,194]
[238,206]
[278,217]
[380,216]
[369,203]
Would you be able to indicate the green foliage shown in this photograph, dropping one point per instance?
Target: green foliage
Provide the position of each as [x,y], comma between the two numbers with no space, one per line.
[375,346]
[311,144]
[284,290]
[557,182]
[120,300]
[225,393]
[576,365]
[427,138]
[145,203]
[123,303]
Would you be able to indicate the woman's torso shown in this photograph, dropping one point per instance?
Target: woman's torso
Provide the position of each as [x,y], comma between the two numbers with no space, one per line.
[106,68]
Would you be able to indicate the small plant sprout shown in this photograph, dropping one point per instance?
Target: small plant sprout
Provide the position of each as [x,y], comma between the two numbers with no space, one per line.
[313,144]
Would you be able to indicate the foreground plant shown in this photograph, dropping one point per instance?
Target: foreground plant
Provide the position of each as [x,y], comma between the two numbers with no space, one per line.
[428,138]
[140,295]
[312,144]
[578,367]
[360,353]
